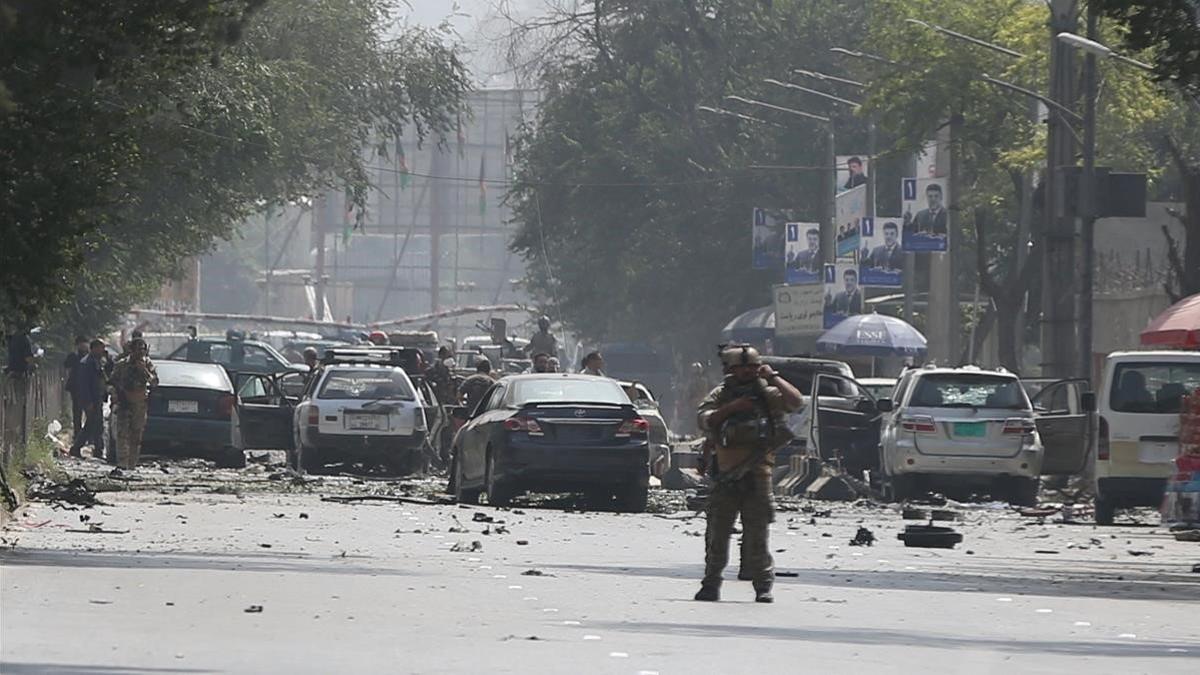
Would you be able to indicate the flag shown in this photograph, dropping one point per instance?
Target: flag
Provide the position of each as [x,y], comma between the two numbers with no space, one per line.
[482,184]
[402,163]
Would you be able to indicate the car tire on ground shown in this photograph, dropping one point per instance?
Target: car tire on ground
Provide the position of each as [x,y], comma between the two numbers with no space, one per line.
[231,458]
[633,499]
[309,460]
[461,494]
[293,460]
[499,492]
[898,488]
[1024,491]
[1106,510]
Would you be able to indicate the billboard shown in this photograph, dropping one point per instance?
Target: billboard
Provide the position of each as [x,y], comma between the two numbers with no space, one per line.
[851,171]
[849,210]
[767,239]
[926,221]
[843,294]
[799,310]
[881,259]
[802,253]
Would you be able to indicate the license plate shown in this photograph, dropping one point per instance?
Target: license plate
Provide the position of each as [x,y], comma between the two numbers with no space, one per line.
[1157,453]
[970,429]
[188,407]
[367,422]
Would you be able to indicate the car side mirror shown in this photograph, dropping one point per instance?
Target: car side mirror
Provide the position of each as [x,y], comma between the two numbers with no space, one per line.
[1087,401]
[885,405]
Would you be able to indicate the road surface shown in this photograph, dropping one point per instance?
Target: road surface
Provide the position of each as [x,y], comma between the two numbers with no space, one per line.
[201,571]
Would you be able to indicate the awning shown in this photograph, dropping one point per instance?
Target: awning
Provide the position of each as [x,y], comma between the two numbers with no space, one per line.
[756,325]
[1178,327]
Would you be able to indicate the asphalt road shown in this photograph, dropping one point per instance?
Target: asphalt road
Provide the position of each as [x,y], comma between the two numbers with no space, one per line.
[377,587]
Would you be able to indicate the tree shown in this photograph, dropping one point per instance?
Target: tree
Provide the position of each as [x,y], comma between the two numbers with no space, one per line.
[632,205]
[282,113]
[1168,29]
[998,143]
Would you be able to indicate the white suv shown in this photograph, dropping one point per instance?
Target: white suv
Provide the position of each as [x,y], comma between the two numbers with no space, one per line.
[960,426]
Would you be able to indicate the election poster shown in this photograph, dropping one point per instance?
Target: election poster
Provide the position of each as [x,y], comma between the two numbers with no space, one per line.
[767,239]
[802,253]
[850,208]
[881,259]
[851,171]
[926,221]
[799,310]
[843,294]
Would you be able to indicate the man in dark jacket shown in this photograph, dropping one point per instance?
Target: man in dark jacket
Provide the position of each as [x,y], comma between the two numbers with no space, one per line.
[90,393]
[71,372]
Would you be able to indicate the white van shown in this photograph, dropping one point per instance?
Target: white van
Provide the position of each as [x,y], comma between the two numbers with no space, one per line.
[1137,438]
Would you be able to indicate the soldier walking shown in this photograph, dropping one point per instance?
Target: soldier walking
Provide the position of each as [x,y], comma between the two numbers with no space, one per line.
[133,378]
[745,418]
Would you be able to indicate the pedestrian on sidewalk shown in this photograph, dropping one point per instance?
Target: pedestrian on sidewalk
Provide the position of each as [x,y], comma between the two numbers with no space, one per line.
[71,370]
[745,417]
[133,378]
[91,389]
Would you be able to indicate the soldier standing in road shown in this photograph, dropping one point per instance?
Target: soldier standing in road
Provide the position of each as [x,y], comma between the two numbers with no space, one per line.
[133,378]
[440,375]
[543,341]
[745,417]
[474,387]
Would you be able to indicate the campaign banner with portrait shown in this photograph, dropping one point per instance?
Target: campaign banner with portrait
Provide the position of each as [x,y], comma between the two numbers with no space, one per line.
[767,239]
[881,260]
[802,253]
[799,310]
[850,207]
[851,171]
[926,220]
[843,294]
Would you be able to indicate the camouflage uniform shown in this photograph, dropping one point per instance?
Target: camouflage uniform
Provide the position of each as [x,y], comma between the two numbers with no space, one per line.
[442,380]
[133,378]
[739,439]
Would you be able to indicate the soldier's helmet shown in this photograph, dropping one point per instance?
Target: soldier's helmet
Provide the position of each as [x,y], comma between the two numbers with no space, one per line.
[544,323]
[740,355]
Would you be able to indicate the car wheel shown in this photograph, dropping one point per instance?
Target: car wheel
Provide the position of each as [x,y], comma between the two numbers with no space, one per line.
[462,494]
[498,493]
[633,499]
[309,460]
[1106,511]
[231,458]
[899,487]
[293,459]
[1025,491]
[452,478]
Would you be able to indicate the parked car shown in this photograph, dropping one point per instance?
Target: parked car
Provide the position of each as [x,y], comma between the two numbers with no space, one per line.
[359,405]
[878,387]
[958,427]
[554,433]
[236,356]
[190,414]
[849,420]
[659,436]
[1138,426]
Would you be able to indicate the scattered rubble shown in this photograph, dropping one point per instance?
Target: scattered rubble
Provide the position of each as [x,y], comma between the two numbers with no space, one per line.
[253,609]
[929,536]
[461,547]
[75,491]
[863,537]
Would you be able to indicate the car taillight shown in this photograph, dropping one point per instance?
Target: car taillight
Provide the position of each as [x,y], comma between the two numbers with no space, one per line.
[637,426]
[225,405]
[314,416]
[1018,425]
[523,424]
[1102,440]
[920,424]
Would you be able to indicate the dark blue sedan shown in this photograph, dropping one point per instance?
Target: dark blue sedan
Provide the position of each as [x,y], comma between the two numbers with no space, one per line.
[554,433]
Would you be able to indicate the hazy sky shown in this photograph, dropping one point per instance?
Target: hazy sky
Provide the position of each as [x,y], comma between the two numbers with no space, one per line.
[469,19]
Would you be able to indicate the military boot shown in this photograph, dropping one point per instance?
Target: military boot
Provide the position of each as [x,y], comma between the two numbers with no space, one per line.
[708,594]
[763,594]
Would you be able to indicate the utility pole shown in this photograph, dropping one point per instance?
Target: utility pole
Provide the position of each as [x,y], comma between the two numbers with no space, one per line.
[829,198]
[438,217]
[1088,213]
[318,236]
[942,324]
[1058,240]
[267,261]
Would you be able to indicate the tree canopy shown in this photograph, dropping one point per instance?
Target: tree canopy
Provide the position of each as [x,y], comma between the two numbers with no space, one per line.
[123,158]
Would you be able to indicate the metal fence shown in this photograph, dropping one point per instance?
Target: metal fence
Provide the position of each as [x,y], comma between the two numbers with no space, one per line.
[25,399]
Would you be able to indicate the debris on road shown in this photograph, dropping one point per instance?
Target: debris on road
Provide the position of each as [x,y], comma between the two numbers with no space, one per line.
[253,609]
[461,547]
[1137,552]
[94,528]
[350,499]
[75,492]
[943,515]
[863,537]
[786,574]
[481,517]
[535,573]
[910,513]
[929,536]
[522,542]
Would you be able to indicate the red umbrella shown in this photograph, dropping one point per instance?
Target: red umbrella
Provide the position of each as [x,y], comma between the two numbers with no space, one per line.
[1178,327]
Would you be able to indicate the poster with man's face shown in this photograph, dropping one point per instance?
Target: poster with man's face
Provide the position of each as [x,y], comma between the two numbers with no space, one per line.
[767,239]
[851,171]
[881,259]
[802,253]
[843,293]
[850,208]
[926,220]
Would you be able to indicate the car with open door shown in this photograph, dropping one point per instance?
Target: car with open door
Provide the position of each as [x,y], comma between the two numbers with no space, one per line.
[554,432]
[660,435]
[1063,411]
[264,411]
[236,355]
[189,414]
[958,429]
[843,424]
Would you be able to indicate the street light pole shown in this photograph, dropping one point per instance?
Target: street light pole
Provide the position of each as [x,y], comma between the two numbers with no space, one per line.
[1088,212]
